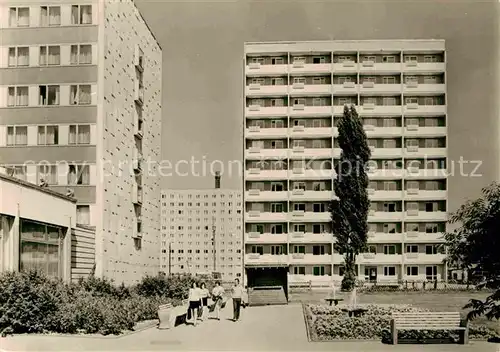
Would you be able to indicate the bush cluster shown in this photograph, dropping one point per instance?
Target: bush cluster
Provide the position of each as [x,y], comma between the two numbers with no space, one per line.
[30,302]
[331,323]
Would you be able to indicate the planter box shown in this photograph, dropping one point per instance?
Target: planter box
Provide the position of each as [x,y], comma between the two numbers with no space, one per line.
[168,314]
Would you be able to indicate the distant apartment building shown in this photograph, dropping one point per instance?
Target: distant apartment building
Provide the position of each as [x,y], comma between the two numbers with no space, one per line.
[80,106]
[202,232]
[295,93]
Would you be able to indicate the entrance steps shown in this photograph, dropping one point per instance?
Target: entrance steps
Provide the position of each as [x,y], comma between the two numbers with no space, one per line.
[266,295]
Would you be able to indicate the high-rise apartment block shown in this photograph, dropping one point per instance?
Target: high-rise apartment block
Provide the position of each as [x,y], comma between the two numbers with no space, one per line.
[295,94]
[80,106]
[202,232]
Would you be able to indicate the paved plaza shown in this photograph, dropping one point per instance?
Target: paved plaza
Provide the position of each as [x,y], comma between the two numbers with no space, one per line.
[271,328]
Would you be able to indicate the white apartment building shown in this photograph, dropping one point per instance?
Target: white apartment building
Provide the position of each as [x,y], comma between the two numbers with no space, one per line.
[80,106]
[202,232]
[295,93]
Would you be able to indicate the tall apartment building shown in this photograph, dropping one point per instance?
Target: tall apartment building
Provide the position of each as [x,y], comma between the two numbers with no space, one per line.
[202,232]
[80,106]
[295,95]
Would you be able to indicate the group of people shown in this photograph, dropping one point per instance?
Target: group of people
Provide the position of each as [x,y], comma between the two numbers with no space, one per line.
[198,300]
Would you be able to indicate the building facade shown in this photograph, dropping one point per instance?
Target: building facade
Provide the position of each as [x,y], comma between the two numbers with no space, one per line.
[202,232]
[295,93]
[80,102]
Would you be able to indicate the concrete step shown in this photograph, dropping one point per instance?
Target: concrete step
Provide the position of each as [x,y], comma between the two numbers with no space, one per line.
[263,296]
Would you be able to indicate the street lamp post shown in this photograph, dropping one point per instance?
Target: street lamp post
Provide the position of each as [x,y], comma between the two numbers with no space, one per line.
[213,244]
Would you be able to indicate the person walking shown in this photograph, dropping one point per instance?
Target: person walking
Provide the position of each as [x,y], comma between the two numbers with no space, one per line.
[204,300]
[194,301]
[237,295]
[217,296]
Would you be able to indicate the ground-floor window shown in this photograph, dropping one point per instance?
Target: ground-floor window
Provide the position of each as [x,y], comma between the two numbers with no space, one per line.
[431,272]
[40,248]
[318,270]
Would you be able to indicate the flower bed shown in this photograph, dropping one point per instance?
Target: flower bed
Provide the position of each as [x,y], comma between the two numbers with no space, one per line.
[331,323]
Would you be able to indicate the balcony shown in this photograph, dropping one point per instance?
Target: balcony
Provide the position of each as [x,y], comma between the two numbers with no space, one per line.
[257,216]
[299,194]
[415,173]
[255,132]
[380,195]
[424,88]
[311,111]
[261,153]
[137,161]
[309,237]
[309,216]
[370,88]
[417,131]
[422,258]
[139,95]
[419,152]
[382,237]
[384,216]
[255,195]
[311,153]
[424,110]
[256,69]
[424,67]
[310,89]
[255,174]
[347,66]
[260,238]
[379,67]
[368,109]
[423,237]
[268,111]
[383,153]
[417,194]
[415,215]
[258,90]
[309,174]
[385,174]
[136,194]
[381,132]
[265,259]
[379,258]
[318,132]
[300,67]
[346,88]
[309,259]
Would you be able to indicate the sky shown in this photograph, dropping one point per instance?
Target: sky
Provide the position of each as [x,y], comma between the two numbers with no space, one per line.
[203,42]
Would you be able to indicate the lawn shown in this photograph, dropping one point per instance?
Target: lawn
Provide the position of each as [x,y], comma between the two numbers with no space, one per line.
[435,301]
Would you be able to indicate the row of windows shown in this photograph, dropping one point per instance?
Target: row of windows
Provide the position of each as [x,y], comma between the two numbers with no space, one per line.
[50,16]
[80,94]
[390,207]
[50,55]
[75,174]
[324,59]
[327,143]
[181,259]
[320,80]
[367,121]
[48,135]
[181,204]
[431,271]
[388,249]
[185,267]
[346,100]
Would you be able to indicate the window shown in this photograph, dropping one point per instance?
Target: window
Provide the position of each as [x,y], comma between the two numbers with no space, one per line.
[319,270]
[275,229]
[431,272]
[372,249]
[432,186]
[430,79]
[48,95]
[410,58]
[319,186]
[390,207]
[50,55]
[277,144]
[412,248]
[319,60]
[277,250]
[411,79]
[257,250]
[277,81]
[343,59]
[48,135]
[389,101]
[299,207]
[431,228]
[390,228]
[78,175]
[389,249]
[276,208]
[299,270]
[318,228]
[19,56]
[343,79]
[389,143]
[389,80]
[412,270]
[299,59]
[299,101]
[277,124]
[50,16]
[81,54]
[81,14]
[47,173]
[319,102]
[299,249]
[79,134]
[19,17]
[431,249]
[412,227]
[276,102]
[430,101]
[276,187]
[300,228]
[83,214]
[17,135]
[319,207]
[389,271]
[431,206]
[80,94]
[257,60]
[412,185]
[17,171]
[17,96]
[319,80]
[40,248]
[411,100]
[430,58]
[369,79]
[388,58]
[277,61]
[298,80]
[369,58]
[390,186]
[318,250]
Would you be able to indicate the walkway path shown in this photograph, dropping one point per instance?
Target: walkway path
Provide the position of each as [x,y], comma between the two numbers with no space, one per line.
[272,328]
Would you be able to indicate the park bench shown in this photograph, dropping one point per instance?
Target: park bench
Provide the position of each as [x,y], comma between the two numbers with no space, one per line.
[169,315]
[450,321]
